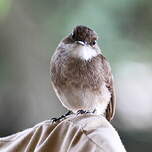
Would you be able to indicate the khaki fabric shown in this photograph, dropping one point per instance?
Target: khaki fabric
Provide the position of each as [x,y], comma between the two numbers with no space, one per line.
[77,133]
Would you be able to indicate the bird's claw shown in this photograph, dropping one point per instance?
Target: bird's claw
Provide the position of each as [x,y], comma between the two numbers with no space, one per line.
[54,119]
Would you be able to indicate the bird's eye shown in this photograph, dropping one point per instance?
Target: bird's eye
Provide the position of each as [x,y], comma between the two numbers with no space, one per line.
[93,42]
[73,36]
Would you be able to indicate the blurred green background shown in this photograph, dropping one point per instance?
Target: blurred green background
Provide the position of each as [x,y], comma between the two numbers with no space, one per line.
[30,30]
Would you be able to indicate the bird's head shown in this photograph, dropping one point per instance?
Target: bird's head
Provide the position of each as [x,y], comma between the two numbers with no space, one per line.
[84,36]
[81,43]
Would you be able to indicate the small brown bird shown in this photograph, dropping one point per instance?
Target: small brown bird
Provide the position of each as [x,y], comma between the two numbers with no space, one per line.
[81,76]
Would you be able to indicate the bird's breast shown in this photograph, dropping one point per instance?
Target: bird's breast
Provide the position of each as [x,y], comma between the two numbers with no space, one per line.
[78,73]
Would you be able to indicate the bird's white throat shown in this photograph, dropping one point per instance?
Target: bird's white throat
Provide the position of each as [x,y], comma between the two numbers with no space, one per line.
[84,52]
[79,51]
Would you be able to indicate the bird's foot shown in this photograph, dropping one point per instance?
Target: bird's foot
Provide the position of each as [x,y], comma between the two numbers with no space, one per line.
[61,117]
[85,111]
[81,112]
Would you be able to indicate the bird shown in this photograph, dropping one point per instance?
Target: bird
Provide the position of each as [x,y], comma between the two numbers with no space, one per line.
[81,75]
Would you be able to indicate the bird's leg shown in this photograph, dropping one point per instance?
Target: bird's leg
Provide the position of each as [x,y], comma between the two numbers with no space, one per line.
[68,113]
[61,117]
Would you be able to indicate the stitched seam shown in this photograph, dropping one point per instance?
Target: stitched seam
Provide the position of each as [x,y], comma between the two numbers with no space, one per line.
[91,140]
[82,130]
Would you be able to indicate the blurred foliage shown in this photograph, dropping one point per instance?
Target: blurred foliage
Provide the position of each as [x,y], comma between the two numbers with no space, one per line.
[5,6]
[124,26]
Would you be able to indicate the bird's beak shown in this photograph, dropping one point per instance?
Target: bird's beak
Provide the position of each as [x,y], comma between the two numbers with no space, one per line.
[80,42]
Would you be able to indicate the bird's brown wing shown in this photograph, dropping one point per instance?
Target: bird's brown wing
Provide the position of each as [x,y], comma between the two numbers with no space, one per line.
[108,77]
